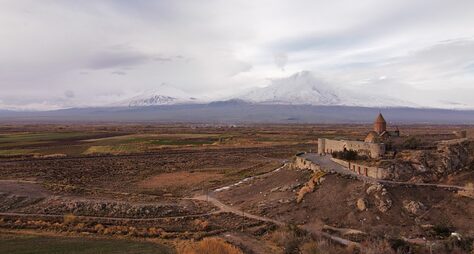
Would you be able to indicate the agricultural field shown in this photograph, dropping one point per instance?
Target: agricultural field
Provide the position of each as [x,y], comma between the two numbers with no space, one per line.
[134,188]
[22,244]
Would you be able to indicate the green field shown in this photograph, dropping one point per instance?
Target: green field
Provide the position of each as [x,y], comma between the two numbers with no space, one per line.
[36,137]
[23,244]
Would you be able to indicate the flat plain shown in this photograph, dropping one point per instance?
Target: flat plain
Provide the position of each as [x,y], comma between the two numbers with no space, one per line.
[178,184]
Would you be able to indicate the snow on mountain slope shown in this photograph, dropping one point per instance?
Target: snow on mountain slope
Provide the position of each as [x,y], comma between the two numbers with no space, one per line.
[162,95]
[300,88]
[303,88]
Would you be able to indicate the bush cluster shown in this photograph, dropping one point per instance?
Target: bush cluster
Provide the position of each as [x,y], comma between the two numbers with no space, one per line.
[208,246]
[348,155]
[412,143]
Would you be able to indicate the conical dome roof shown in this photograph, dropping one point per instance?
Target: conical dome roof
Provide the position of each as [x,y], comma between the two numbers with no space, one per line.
[380,119]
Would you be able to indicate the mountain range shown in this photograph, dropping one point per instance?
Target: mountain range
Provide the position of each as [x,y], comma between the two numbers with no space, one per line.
[301,88]
[300,98]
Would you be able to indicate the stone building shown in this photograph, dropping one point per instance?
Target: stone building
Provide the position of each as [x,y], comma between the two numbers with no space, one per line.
[373,150]
[373,145]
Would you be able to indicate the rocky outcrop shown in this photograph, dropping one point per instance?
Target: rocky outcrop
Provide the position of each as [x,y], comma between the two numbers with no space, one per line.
[310,186]
[380,197]
[450,156]
[414,207]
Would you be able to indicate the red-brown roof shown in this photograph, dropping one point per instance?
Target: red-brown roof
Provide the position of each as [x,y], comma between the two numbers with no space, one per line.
[380,119]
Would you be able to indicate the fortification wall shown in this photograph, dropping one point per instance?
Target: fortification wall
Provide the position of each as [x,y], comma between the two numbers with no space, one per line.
[302,163]
[372,172]
[360,169]
[373,150]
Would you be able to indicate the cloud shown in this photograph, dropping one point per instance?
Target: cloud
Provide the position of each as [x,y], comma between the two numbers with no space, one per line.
[69,94]
[218,48]
[118,73]
[281,59]
[114,59]
[162,59]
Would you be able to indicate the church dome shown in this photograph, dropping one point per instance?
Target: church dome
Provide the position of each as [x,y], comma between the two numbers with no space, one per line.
[372,137]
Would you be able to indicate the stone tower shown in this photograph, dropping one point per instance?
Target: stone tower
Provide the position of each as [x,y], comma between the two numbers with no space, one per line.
[380,124]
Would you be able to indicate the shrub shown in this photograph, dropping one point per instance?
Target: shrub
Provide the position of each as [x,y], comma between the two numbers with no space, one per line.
[69,218]
[348,155]
[411,143]
[377,247]
[325,247]
[442,230]
[310,248]
[303,191]
[99,228]
[201,224]
[79,227]
[208,246]
[289,238]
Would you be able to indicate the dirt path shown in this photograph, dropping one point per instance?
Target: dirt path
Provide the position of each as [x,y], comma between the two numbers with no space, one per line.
[209,198]
[229,209]
[226,208]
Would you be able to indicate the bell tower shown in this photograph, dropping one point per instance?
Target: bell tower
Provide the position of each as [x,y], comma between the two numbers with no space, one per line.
[380,124]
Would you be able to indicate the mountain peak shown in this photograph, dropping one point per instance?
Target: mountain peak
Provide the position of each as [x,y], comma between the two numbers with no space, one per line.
[299,88]
[163,94]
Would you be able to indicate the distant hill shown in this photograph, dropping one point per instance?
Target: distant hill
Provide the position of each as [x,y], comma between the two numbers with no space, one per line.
[237,111]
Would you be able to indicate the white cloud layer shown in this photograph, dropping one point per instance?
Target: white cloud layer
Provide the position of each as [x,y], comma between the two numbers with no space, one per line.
[87,53]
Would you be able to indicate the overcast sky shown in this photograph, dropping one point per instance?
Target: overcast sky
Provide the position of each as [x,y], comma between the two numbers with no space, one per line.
[75,53]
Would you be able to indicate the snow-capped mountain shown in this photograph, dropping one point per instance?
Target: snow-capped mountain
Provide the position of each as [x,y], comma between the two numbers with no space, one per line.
[303,88]
[162,95]
[300,88]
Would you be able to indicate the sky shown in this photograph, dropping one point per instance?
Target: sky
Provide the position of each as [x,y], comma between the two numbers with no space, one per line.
[67,53]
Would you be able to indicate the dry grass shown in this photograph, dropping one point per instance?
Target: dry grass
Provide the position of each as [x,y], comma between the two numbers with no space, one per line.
[69,219]
[468,192]
[303,191]
[377,247]
[201,224]
[289,239]
[309,186]
[325,247]
[179,179]
[208,246]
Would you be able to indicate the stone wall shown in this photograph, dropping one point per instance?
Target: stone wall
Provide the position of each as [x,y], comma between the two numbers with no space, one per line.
[372,172]
[302,163]
[373,150]
[360,169]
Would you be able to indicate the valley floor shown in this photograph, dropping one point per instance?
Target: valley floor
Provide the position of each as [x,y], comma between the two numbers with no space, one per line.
[154,188]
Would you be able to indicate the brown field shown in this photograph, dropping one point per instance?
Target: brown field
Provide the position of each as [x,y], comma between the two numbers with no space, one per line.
[179,179]
[137,181]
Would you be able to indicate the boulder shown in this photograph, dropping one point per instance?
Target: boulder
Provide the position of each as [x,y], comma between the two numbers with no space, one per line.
[361,204]
[414,207]
[383,203]
[374,188]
